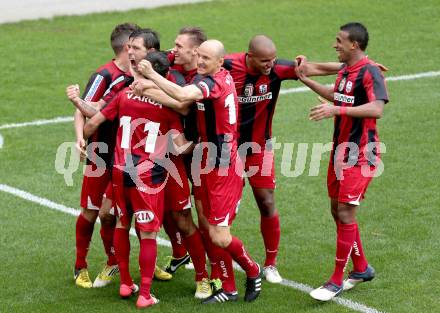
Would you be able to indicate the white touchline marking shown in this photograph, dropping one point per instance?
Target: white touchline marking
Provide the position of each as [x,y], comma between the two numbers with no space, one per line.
[1,141]
[163,242]
[63,119]
[59,207]
[391,78]
[56,120]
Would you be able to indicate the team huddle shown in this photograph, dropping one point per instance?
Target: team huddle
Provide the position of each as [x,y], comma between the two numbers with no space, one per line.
[194,121]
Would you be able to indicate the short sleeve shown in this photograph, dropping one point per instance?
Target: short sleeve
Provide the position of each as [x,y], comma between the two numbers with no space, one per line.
[285,69]
[374,84]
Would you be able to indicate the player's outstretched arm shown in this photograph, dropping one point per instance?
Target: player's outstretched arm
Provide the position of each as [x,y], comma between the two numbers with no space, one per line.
[322,90]
[373,109]
[78,122]
[184,95]
[87,108]
[160,96]
[317,68]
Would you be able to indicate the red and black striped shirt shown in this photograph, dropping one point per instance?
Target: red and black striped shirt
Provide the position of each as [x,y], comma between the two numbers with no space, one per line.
[257,96]
[356,85]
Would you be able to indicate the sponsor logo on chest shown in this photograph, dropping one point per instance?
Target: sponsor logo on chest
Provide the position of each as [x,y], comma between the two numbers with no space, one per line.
[343,98]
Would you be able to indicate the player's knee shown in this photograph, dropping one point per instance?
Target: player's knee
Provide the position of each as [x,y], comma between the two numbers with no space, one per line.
[90,215]
[218,238]
[267,206]
[106,219]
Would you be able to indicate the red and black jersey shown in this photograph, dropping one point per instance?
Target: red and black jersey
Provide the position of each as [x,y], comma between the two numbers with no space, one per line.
[190,120]
[356,85]
[217,115]
[257,96]
[105,83]
[143,136]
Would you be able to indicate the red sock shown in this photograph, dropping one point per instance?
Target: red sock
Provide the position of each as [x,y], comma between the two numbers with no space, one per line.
[226,270]
[270,229]
[176,238]
[84,232]
[360,262]
[238,253]
[210,251]
[147,262]
[346,233]
[121,242]
[107,233]
[196,250]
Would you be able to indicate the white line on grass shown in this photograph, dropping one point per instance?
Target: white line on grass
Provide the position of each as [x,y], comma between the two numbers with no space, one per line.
[56,120]
[59,207]
[63,119]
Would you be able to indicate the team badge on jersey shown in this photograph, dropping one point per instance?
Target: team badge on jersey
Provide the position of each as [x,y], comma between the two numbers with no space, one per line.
[263,88]
[348,86]
[341,84]
[249,90]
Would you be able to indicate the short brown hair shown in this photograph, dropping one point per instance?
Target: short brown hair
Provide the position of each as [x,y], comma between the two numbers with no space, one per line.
[197,34]
[120,35]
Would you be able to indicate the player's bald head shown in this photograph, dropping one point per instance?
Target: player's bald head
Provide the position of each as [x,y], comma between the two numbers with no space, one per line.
[261,44]
[213,47]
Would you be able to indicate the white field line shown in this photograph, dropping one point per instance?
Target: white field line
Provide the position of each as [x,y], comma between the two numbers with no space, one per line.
[59,207]
[63,119]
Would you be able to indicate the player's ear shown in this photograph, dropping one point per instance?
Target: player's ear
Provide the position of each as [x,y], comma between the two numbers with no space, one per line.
[221,60]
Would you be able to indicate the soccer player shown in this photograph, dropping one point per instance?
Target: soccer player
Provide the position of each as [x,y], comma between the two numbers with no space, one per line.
[138,175]
[96,191]
[359,96]
[258,75]
[138,43]
[220,188]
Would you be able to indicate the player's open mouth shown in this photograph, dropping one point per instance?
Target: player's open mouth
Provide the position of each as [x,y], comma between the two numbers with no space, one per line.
[133,63]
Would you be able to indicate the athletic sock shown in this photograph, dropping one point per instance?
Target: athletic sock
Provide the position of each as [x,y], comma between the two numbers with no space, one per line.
[194,245]
[147,262]
[176,238]
[121,243]
[360,262]
[346,234]
[107,233]
[84,232]
[239,254]
[270,229]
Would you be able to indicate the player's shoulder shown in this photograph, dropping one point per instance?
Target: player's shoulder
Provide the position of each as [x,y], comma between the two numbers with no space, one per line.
[234,60]
[176,77]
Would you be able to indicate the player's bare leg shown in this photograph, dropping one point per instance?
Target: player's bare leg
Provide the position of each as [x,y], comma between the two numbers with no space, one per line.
[270,230]
[84,230]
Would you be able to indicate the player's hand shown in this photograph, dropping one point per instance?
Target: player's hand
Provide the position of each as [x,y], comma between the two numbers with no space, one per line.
[81,148]
[145,68]
[139,86]
[72,92]
[301,66]
[382,67]
[322,110]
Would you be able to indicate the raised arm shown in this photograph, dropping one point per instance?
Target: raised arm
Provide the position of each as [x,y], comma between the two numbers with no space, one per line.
[184,95]
[87,108]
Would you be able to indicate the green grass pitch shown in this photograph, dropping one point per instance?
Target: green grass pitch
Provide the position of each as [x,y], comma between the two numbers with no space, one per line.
[399,219]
